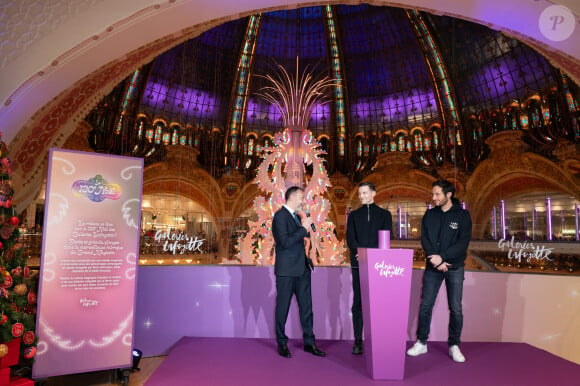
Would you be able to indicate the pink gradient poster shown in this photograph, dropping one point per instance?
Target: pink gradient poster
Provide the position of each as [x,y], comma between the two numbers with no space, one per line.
[88,266]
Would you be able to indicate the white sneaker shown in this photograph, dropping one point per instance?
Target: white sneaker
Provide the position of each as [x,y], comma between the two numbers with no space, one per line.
[455,353]
[417,349]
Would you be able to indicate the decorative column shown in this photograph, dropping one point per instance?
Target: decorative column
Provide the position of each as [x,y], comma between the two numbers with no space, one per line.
[239,100]
[341,117]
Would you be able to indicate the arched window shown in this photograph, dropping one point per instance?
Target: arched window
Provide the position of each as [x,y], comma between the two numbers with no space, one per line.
[417,134]
[250,145]
[159,129]
[385,143]
[496,120]
[359,146]
[534,110]
[175,131]
[401,141]
[513,117]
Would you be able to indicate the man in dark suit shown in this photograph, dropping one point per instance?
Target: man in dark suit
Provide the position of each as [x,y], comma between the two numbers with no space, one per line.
[292,270]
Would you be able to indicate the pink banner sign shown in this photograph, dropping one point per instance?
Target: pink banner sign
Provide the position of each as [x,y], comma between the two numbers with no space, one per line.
[86,296]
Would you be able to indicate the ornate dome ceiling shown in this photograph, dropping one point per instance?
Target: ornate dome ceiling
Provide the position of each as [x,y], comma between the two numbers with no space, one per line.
[399,72]
[387,78]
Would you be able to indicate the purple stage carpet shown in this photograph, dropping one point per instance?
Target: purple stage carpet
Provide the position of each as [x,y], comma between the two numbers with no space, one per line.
[234,361]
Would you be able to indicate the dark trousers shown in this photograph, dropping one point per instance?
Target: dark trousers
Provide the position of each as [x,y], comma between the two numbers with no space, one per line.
[431,284]
[286,286]
[357,317]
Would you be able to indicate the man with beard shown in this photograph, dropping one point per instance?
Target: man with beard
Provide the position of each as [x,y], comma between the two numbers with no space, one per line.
[445,235]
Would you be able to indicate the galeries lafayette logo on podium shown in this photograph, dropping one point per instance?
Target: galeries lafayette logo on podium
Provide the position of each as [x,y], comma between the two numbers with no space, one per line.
[389,270]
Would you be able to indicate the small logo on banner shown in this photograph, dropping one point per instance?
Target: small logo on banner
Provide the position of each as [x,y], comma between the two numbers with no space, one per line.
[96,189]
[389,270]
[86,302]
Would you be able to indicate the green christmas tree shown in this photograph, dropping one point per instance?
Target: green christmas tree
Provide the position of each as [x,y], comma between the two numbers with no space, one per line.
[17,280]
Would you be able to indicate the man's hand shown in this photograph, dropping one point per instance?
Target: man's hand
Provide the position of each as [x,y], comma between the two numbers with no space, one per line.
[437,262]
[444,267]
[306,222]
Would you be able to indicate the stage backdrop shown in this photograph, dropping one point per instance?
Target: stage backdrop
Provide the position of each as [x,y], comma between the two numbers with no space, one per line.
[238,301]
[88,268]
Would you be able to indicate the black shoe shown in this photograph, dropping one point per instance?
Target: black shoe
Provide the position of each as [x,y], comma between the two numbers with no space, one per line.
[357,349]
[283,351]
[312,349]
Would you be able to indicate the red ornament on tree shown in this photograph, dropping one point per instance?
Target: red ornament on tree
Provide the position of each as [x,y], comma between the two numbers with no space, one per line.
[29,352]
[28,337]
[31,297]
[14,221]
[17,329]
[1,245]
[3,319]
[26,270]
[7,282]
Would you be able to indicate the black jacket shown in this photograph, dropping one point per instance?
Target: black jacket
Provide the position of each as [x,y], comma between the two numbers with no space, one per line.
[446,234]
[363,226]
[291,257]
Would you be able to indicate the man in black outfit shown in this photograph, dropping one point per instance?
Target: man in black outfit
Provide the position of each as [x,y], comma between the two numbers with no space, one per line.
[292,270]
[445,235]
[362,231]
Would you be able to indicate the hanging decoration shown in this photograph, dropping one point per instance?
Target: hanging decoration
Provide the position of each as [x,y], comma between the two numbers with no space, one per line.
[284,165]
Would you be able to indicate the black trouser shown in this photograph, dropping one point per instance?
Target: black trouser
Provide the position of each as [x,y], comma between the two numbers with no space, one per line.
[432,281]
[357,317]
[286,286]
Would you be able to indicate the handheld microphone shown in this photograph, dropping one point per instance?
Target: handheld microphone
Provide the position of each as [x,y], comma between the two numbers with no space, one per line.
[307,213]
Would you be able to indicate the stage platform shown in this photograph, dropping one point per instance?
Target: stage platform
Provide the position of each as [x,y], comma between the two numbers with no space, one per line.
[250,361]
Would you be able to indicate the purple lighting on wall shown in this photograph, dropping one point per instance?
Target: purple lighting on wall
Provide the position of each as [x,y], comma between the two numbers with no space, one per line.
[400,220]
[261,111]
[494,223]
[525,226]
[549,218]
[503,220]
[416,105]
[534,222]
[174,100]
[577,215]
